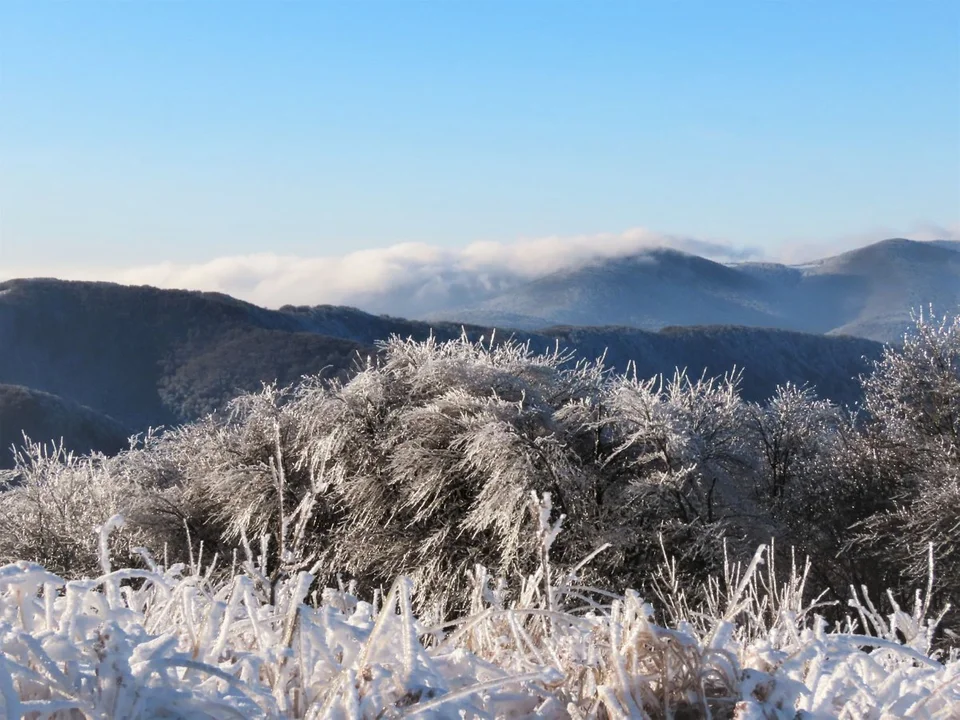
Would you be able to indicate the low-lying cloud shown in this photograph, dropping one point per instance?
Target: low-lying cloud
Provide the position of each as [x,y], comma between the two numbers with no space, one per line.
[405,279]
[417,279]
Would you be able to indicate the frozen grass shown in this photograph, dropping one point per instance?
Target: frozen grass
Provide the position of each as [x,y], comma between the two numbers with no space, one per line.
[175,642]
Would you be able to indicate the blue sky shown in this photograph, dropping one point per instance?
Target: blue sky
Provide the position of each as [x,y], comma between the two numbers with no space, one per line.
[144,132]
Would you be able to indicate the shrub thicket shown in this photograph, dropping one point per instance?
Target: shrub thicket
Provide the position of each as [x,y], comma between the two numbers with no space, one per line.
[423,462]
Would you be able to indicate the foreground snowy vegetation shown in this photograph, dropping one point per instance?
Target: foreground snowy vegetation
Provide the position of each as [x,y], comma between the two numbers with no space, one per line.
[174,642]
[510,534]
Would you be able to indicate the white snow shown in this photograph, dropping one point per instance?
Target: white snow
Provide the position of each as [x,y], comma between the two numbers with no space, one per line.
[172,642]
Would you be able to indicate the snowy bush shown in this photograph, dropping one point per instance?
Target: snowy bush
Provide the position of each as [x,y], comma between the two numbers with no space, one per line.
[430,456]
[815,478]
[670,456]
[914,391]
[53,500]
[913,397]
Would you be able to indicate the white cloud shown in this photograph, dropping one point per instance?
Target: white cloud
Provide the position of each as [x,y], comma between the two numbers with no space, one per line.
[402,279]
[414,279]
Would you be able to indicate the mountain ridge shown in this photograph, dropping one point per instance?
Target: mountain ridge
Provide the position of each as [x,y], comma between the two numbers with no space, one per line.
[867,292]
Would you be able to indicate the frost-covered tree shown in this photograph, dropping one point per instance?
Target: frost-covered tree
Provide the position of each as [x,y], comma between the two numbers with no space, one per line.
[803,445]
[796,432]
[676,453]
[913,397]
[913,393]
[230,480]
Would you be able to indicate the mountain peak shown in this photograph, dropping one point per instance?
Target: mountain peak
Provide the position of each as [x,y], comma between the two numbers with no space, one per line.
[869,291]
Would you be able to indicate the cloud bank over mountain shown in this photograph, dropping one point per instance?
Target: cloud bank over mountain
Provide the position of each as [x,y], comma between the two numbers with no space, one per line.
[412,274]
[417,279]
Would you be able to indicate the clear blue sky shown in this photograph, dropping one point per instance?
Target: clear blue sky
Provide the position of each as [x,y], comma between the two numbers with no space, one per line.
[135,132]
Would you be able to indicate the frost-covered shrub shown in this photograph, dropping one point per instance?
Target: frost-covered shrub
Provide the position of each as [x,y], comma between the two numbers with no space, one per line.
[679,456]
[430,456]
[813,480]
[913,394]
[54,502]
[228,477]
[913,397]
[797,435]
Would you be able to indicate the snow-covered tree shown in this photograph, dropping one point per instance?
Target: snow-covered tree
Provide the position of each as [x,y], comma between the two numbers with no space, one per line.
[432,453]
[674,453]
[913,398]
[913,393]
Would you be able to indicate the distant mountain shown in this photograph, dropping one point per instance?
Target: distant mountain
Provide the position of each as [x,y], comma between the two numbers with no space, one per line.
[949,244]
[44,417]
[150,357]
[649,290]
[868,292]
[875,287]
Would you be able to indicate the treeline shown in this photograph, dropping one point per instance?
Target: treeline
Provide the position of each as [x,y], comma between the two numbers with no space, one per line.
[424,461]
